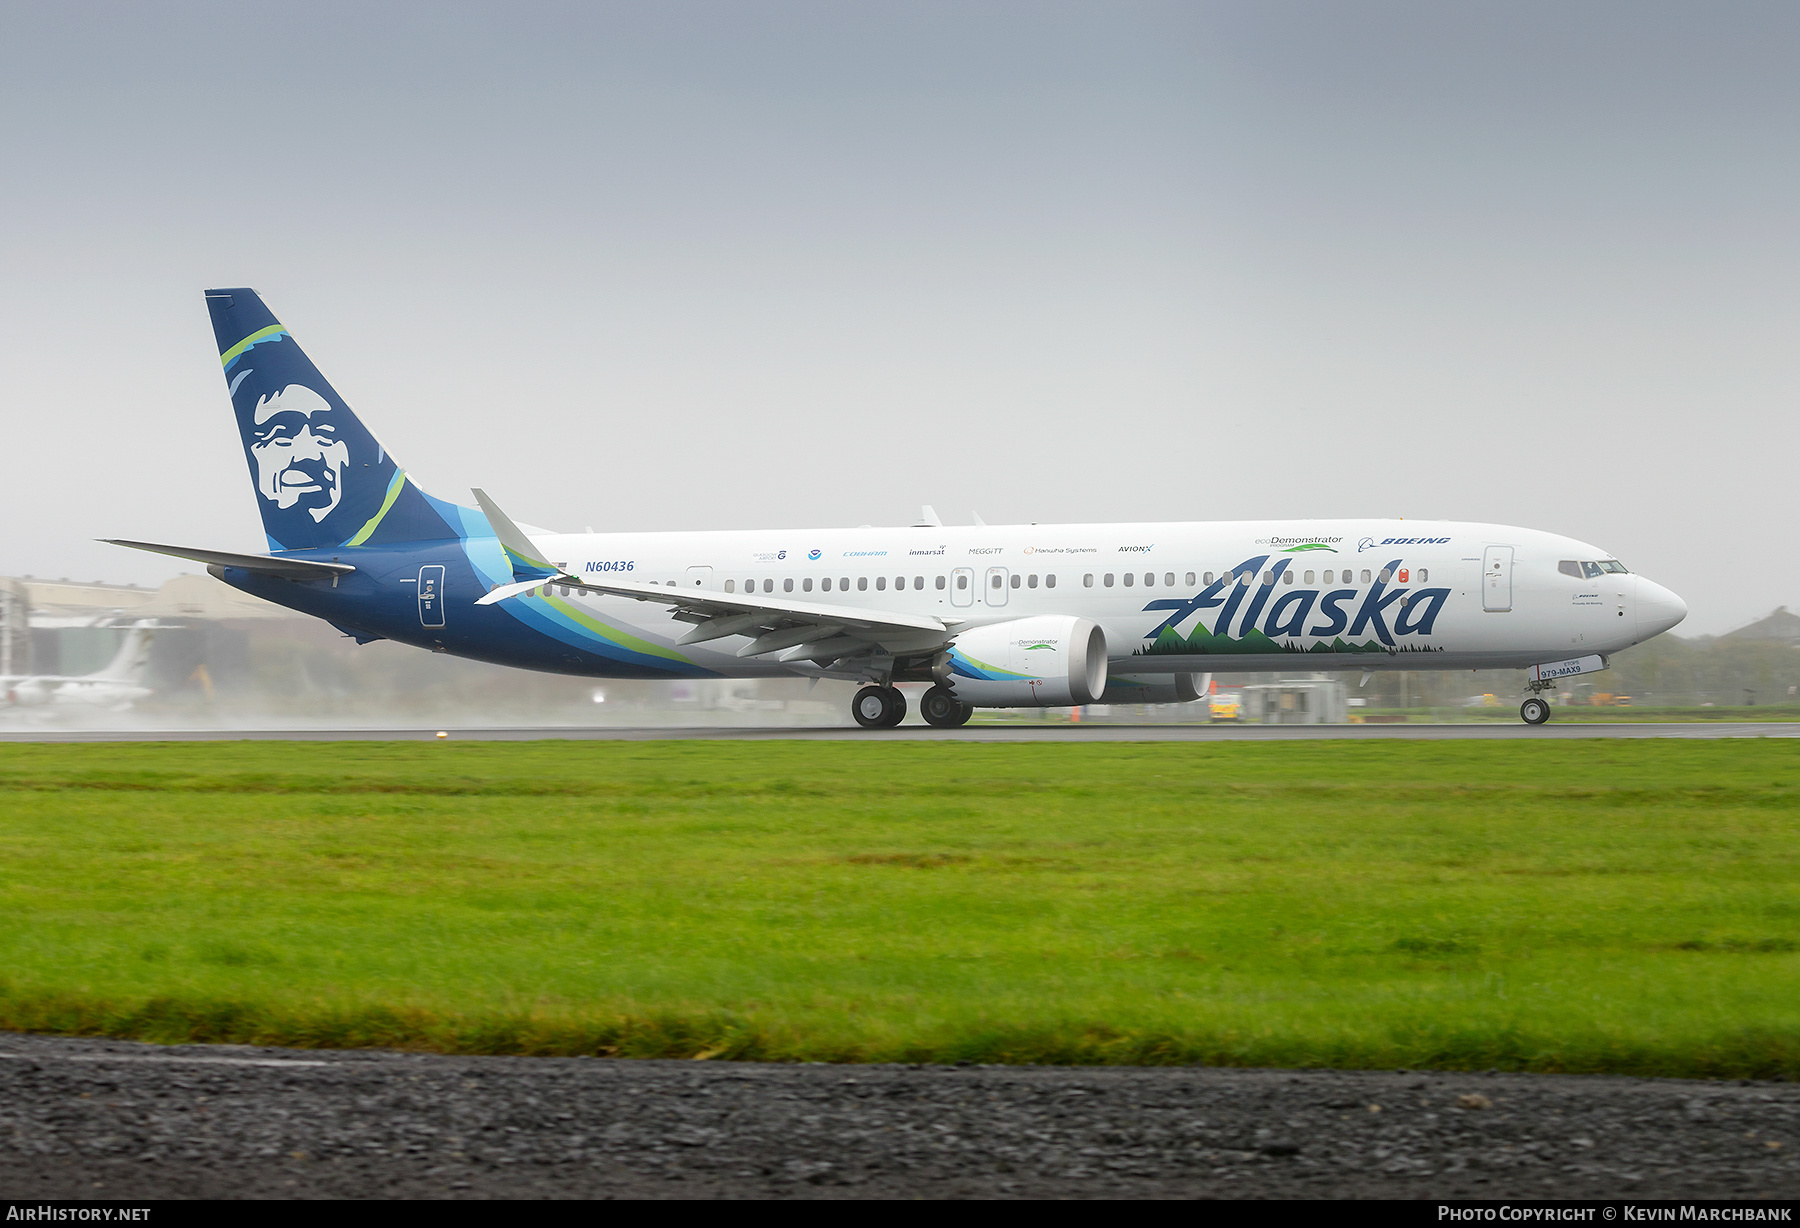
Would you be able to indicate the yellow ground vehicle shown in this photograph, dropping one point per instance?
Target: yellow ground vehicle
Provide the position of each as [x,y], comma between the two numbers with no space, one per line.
[1226,706]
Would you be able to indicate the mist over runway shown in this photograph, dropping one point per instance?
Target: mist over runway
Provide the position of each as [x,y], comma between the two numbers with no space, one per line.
[1041,733]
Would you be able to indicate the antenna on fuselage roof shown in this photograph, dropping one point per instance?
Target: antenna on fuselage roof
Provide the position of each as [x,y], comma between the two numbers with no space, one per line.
[928,519]
[978,520]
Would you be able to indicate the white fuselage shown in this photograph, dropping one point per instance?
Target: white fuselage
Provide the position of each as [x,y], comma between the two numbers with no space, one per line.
[1366,594]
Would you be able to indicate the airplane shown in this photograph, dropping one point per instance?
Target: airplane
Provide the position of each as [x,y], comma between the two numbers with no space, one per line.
[117,686]
[991,616]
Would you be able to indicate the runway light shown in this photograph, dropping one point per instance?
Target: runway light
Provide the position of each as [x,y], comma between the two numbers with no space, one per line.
[442,734]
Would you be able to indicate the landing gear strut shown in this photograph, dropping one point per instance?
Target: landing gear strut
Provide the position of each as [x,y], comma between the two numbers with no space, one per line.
[878,707]
[944,710]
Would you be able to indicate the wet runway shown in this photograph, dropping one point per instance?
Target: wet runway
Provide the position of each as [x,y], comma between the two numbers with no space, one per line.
[1020,732]
[113,1119]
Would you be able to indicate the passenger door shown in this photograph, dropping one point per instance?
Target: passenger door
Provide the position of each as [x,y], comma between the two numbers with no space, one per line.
[1496,579]
[431,595]
[699,577]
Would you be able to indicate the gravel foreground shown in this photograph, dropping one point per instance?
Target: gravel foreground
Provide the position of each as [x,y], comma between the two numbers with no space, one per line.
[86,1118]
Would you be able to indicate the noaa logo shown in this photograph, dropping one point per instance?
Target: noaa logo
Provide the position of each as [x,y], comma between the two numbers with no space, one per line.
[813,553]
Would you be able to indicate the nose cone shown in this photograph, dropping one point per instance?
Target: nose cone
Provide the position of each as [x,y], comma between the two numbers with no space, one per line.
[1657,608]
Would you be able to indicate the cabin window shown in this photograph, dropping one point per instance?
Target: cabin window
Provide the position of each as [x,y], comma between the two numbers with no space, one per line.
[940,584]
[1287,576]
[899,584]
[806,585]
[1386,575]
[844,583]
[994,581]
[1050,581]
[1569,567]
[1031,582]
[1309,578]
[731,586]
[1106,580]
[1424,576]
[825,585]
[1016,577]
[1087,581]
[881,584]
[1130,579]
[1366,575]
[787,585]
[962,582]
[1268,578]
[918,582]
[1207,579]
[1150,579]
[862,584]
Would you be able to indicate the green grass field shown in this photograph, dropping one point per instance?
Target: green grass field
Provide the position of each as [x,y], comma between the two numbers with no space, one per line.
[1626,906]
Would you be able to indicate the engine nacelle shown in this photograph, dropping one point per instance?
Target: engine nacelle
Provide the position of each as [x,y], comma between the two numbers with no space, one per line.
[1155,688]
[1050,661]
[28,694]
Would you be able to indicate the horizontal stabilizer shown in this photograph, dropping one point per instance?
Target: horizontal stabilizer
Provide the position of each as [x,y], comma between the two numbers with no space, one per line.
[261,564]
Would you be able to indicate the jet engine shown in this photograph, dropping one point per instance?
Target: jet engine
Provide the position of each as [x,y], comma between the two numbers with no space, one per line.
[1049,661]
[28,693]
[1155,688]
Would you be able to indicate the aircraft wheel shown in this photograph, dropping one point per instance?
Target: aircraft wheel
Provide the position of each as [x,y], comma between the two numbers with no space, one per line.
[871,705]
[944,710]
[1534,711]
[896,711]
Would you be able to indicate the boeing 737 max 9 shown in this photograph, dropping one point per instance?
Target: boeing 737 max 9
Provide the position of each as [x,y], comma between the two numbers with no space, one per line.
[992,616]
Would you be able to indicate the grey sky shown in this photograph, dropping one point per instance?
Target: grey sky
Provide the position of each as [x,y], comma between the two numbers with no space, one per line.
[694,266]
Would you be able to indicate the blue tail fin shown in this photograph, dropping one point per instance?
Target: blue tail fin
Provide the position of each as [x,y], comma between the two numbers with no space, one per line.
[321,478]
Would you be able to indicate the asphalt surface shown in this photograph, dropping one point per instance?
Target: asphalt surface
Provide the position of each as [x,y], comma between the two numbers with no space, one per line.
[1090,732]
[109,1119]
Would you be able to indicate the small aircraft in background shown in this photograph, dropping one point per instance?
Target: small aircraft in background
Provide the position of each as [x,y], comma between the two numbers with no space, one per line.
[117,686]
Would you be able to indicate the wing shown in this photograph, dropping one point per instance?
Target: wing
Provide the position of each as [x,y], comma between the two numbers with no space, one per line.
[790,630]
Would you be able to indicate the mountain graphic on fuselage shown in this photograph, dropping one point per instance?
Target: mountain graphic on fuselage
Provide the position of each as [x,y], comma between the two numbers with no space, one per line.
[1253,643]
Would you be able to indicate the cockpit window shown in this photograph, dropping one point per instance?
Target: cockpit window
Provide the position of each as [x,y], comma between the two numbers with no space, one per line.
[1588,569]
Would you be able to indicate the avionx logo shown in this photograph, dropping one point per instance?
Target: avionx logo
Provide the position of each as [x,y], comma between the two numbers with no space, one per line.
[1137,549]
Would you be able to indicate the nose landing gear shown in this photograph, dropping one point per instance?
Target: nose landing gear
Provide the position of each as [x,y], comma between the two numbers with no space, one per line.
[1534,711]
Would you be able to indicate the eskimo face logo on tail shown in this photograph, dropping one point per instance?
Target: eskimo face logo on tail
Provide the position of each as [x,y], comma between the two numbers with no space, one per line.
[299,453]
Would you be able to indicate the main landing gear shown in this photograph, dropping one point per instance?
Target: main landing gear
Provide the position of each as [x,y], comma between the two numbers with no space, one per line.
[878,707]
[944,710]
[883,707]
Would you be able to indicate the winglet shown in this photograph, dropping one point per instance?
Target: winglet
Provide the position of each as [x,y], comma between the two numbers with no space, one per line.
[528,562]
